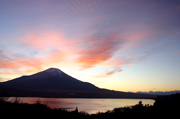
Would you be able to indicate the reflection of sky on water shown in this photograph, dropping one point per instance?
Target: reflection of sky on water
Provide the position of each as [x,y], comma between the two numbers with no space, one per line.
[87,105]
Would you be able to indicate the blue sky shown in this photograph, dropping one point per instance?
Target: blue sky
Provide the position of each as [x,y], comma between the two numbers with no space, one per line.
[125,45]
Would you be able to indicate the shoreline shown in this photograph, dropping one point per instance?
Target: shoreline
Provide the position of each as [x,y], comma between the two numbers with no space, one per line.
[164,106]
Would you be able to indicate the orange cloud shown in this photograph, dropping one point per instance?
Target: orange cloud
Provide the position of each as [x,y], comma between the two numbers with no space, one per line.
[99,50]
[43,41]
[30,65]
[50,49]
[26,62]
[53,49]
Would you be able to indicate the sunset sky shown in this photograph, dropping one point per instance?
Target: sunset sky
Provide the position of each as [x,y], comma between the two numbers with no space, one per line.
[124,45]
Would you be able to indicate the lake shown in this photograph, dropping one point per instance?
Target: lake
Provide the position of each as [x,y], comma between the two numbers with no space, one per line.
[90,106]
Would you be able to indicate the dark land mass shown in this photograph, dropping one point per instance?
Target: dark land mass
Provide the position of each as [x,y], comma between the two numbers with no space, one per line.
[160,92]
[55,83]
[164,107]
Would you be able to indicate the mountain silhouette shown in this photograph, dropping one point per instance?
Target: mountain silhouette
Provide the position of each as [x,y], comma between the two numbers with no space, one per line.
[55,83]
[52,78]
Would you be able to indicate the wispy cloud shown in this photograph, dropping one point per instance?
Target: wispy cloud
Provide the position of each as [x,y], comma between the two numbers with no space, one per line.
[43,41]
[99,49]
[109,73]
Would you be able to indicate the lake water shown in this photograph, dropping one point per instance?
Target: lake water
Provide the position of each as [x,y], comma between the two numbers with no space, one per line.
[90,106]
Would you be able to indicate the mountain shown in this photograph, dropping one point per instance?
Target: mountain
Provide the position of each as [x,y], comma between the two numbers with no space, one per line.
[55,83]
[50,79]
[160,92]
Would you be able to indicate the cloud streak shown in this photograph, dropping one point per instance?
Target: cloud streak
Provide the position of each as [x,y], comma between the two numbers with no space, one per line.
[109,73]
[99,49]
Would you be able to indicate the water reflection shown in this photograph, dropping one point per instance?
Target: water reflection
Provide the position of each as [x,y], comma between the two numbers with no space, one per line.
[88,105]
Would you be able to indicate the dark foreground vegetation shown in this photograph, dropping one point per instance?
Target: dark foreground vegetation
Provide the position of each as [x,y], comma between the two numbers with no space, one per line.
[164,107]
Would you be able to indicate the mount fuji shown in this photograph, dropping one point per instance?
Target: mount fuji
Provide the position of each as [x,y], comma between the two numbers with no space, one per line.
[50,79]
[55,83]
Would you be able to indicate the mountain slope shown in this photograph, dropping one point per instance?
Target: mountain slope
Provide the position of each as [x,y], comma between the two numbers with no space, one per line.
[50,79]
[55,83]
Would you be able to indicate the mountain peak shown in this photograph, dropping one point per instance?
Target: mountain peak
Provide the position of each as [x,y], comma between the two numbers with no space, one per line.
[54,71]
[52,68]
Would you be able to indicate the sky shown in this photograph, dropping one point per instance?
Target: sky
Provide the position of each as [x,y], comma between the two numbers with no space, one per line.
[123,45]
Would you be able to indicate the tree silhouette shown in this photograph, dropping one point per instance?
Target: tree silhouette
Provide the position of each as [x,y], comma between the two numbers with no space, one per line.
[76,110]
[140,103]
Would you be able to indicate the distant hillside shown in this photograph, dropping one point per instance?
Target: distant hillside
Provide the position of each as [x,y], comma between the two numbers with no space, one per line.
[160,92]
[55,83]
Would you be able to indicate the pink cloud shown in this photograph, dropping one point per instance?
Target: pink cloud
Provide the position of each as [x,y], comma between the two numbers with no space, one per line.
[17,63]
[30,65]
[109,73]
[98,50]
[43,41]
[50,49]
[86,52]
